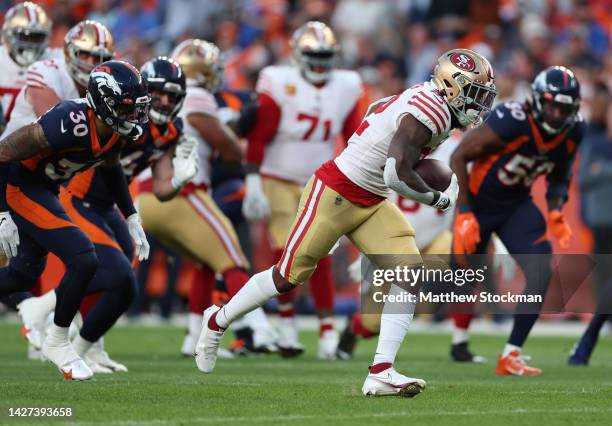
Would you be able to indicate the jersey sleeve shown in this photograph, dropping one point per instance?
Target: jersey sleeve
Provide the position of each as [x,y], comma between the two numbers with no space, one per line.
[65,127]
[199,100]
[508,121]
[44,74]
[269,81]
[430,110]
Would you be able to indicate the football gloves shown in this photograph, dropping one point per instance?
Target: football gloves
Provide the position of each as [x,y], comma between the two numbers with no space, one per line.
[559,227]
[255,205]
[185,161]
[9,235]
[466,233]
[448,198]
[138,235]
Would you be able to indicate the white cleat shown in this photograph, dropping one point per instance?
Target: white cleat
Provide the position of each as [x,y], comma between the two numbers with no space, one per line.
[207,348]
[288,344]
[66,359]
[33,312]
[97,355]
[390,382]
[34,354]
[264,339]
[225,354]
[328,343]
[97,368]
[189,345]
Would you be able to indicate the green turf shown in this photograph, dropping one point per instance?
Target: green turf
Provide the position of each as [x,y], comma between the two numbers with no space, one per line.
[164,389]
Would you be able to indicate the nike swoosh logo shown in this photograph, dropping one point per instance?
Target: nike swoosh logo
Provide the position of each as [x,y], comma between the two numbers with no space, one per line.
[67,374]
[2,221]
[499,114]
[62,126]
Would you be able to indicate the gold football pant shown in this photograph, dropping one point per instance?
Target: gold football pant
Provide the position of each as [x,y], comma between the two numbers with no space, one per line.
[194,226]
[284,199]
[324,216]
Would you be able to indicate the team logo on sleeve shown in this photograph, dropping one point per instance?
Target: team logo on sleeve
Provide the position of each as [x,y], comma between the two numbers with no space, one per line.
[463,61]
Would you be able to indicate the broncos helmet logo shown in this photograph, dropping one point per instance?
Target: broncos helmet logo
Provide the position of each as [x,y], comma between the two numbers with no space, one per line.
[104,79]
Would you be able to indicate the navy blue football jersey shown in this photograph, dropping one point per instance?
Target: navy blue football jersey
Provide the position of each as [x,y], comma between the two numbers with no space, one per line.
[136,157]
[505,177]
[69,128]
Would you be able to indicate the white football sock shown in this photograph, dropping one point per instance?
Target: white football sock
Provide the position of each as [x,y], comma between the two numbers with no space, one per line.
[460,335]
[194,324]
[57,335]
[394,323]
[48,301]
[258,290]
[257,319]
[510,348]
[81,346]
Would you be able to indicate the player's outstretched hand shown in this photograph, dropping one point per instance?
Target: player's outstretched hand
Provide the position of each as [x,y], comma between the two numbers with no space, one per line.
[466,233]
[559,228]
[139,237]
[9,235]
[255,205]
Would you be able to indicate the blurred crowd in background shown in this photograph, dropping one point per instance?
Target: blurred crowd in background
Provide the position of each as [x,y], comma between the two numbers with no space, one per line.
[392,43]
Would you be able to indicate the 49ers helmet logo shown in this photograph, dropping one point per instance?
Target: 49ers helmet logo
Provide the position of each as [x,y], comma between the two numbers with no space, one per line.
[463,61]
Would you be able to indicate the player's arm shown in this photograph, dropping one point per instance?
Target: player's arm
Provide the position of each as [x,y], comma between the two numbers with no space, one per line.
[42,98]
[162,177]
[115,180]
[218,135]
[175,168]
[255,205]
[475,144]
[22,144]
[405,151]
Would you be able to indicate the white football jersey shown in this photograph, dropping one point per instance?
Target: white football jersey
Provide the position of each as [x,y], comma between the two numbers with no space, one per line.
[311,119]
[51,73]
[364,158]
[428,222]
[13,78]
[199,100]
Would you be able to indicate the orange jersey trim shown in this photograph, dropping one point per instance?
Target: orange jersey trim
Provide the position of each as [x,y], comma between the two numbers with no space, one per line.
[80,184]
[95,234]
[481,167]
[33,212]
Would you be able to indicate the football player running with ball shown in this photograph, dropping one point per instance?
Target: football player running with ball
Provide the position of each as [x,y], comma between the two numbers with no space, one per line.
[348,196]
[70,138]
[519,142]
[301,111]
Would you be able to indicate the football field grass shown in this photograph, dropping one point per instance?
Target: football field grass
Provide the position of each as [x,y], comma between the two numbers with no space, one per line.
[164,389]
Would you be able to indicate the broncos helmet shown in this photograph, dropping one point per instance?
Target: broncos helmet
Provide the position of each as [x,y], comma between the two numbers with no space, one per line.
[118,94]
[167,87]
[555,99]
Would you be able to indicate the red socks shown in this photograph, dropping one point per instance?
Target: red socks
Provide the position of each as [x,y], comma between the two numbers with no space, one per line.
[322,285]
[200,293]
[462,320]
[235,279]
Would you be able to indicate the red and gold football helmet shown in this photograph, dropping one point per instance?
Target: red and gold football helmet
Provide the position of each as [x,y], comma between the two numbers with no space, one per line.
[315,50]
[84,41]
[201,63]
[26,32]
[465,79]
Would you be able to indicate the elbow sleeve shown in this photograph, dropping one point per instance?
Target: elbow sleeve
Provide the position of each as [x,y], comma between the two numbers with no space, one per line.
[393,181]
